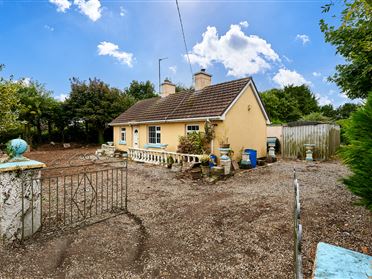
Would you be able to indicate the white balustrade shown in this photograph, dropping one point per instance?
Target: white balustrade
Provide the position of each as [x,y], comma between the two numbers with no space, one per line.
[160,157]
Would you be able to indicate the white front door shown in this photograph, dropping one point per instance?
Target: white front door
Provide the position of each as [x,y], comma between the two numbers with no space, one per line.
[135,137]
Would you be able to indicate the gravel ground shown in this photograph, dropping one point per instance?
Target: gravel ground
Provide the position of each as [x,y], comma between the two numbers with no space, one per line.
[238,228]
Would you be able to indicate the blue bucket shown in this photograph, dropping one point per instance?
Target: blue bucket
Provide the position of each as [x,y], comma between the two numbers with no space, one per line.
[252,156]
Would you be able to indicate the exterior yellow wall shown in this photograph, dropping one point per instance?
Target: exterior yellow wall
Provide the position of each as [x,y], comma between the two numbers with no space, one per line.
[170,132]
[244,126]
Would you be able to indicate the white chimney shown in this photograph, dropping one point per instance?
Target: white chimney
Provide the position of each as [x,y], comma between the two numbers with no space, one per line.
[167,88]
[202,79]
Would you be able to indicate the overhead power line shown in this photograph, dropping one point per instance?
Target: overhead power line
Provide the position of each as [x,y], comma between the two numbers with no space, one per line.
[184,41]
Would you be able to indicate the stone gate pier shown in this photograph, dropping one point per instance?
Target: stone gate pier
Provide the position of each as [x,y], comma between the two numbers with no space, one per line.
[20,198]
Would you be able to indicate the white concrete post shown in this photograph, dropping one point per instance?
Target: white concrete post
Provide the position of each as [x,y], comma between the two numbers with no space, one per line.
[20,198]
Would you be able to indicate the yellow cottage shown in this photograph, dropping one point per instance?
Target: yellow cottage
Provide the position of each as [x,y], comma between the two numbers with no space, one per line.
[234,108]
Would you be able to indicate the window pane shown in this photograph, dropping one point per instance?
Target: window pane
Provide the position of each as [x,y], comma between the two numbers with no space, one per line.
[123,134]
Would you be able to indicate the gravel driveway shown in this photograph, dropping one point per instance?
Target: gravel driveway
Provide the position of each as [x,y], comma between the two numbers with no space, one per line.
[238,228]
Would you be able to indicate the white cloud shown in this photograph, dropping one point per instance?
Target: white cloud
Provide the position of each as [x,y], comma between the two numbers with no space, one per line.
[49,28]
[173,69]
[123,11]
[244,24]
[343,95]
[323,100]
[62,97]
[62,5]
[90,8]
[316,74]
[286,77]
[110,49]
[240,54]
[304,38]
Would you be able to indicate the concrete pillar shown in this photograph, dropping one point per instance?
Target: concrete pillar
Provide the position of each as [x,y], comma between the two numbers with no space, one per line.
[20,195]
[20,200]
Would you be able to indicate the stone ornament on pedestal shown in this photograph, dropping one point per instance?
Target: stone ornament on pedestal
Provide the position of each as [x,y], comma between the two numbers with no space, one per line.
[20,194]
[309,151]
[225,160]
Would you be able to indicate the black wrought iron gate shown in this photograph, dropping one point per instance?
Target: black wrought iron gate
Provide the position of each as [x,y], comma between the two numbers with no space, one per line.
[83,190]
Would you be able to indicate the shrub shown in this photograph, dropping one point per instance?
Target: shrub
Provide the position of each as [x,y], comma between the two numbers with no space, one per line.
[193,143]
[358,154]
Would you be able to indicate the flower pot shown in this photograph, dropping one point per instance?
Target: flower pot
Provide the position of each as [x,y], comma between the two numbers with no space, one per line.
[225,145]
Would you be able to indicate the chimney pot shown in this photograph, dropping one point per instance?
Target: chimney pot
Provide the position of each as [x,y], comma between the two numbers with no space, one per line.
[167,88]
[202,79]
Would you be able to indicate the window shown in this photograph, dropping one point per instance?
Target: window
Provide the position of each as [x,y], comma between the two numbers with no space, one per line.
[154,134]
[123,134]
[192,128]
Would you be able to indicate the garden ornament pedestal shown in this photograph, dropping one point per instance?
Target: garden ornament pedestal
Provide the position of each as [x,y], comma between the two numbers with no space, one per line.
[271,142]
[309,151]
[245,163]
[225,160]
[20,195]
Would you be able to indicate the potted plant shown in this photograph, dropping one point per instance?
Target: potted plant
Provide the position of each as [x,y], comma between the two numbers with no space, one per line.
[204,161]
[170,162]
[224,142]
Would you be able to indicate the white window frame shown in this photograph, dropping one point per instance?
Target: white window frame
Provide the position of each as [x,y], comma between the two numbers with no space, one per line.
[157,135]
[192,131]
[123,134]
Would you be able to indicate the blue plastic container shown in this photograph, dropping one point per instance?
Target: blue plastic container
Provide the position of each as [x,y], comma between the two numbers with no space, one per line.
[252,156]
[213,160]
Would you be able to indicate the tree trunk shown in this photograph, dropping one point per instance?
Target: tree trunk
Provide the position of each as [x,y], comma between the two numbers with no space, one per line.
[86,132]
[49,131]
[38,127]
[101,139]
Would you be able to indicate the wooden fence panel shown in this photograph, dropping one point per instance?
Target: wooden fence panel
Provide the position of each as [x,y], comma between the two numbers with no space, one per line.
[326,138]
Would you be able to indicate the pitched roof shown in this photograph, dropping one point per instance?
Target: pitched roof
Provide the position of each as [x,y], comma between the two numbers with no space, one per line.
[212,101]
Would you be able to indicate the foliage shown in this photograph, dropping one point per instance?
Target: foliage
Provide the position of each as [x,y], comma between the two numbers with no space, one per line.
[328,111]
[353,41]
[290,103]
[35,108]
[180,88]
[357,155]
[204,160]
[316,116]
[193,143]
[140,90]
[95,104]
[170,160]
[9,105]
[344,111]
[209,131]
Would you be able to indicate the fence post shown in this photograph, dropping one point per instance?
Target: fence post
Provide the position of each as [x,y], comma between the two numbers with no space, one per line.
[20,199]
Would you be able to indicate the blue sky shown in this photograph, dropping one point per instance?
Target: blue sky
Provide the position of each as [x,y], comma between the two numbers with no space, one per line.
[275,42]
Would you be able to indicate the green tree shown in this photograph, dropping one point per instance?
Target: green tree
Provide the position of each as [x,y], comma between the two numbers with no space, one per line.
[305,99]
[316,116]
[328,111]
[344,111]
[357,155]
[35,104]
[181,87]
[353,41]
[95,104]
[9,105]
[289,104]
[141,90]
